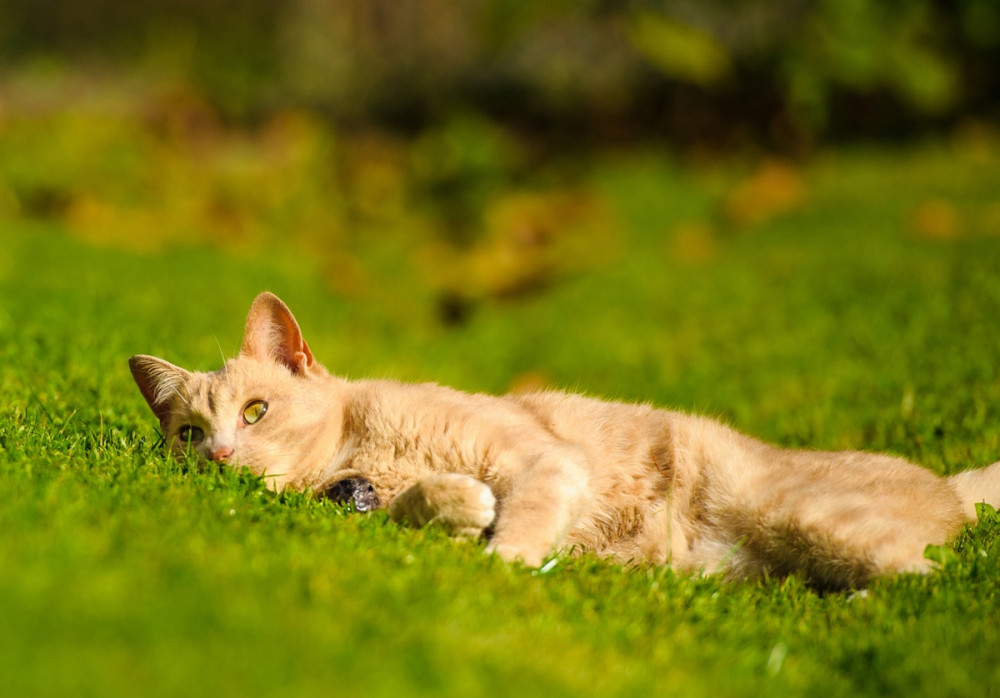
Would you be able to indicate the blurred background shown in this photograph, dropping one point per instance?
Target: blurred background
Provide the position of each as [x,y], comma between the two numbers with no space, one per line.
[473,143]
[785,73]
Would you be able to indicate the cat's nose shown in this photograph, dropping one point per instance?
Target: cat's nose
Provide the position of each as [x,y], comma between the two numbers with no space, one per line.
[221,453]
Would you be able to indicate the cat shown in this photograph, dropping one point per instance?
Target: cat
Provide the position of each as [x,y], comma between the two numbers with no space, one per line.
[547,471]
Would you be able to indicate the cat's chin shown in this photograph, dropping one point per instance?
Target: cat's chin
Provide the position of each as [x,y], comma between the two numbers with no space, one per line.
[353,489]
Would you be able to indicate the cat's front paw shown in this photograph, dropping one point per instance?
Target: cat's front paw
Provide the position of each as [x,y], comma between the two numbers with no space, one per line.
[461,504]
[464,505]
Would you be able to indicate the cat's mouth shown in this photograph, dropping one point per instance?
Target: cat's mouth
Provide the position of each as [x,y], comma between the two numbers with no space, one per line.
[353,489]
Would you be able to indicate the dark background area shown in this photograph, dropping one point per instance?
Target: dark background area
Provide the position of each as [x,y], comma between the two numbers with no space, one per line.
[782,73]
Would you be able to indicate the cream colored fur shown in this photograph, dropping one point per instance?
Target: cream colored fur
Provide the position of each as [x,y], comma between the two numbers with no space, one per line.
[551,470]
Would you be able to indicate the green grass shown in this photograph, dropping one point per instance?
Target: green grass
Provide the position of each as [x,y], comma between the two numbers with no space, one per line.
[836,324]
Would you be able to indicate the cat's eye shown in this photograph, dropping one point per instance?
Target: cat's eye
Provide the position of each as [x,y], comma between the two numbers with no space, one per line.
[190,434]
[254,411]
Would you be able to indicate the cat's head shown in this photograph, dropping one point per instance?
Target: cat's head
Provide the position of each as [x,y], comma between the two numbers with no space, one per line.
[261,411]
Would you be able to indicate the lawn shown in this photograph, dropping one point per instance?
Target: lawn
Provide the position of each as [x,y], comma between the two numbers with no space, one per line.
[848,302]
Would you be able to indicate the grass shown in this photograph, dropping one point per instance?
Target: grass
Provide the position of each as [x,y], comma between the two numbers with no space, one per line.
[863,314]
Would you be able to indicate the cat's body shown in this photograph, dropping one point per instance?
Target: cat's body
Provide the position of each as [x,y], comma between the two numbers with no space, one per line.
[551,470]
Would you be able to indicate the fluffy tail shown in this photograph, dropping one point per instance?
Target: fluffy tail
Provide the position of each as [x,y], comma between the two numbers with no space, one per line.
[973,486]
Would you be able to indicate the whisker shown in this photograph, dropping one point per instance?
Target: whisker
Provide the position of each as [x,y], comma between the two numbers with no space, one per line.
[181,396]
[225,363]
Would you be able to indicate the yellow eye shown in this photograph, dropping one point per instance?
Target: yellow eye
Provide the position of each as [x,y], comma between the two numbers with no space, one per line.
[254,410]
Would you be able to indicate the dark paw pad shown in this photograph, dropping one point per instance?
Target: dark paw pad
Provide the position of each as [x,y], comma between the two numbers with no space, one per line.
[353,489]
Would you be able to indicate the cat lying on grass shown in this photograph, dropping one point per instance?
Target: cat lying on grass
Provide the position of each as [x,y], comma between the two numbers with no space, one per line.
[548,470]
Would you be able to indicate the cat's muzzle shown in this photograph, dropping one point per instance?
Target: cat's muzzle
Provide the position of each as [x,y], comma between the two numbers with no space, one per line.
[353,489]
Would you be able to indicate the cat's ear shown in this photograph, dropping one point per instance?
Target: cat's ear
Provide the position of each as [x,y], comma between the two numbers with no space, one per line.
[157,380]
[272,334]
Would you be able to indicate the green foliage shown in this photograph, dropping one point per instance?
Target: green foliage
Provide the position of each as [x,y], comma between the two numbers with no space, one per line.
[848,302]
[830,66]
[862,47]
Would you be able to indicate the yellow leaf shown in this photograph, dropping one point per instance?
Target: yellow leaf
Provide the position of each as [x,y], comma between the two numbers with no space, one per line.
[935,219]
[678,50]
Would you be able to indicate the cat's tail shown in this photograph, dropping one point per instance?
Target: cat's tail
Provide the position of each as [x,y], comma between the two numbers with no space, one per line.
[974,486]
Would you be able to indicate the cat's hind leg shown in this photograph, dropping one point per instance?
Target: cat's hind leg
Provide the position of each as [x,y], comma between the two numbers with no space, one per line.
[866,516]
[461,504]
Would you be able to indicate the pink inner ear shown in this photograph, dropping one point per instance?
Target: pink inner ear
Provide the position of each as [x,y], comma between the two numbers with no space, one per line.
[272,334]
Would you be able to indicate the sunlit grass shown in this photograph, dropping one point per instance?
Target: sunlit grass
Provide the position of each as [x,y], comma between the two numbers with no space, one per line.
[838,319]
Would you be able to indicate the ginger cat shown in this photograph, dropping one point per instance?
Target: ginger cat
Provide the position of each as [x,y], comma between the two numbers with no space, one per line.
[550,470]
